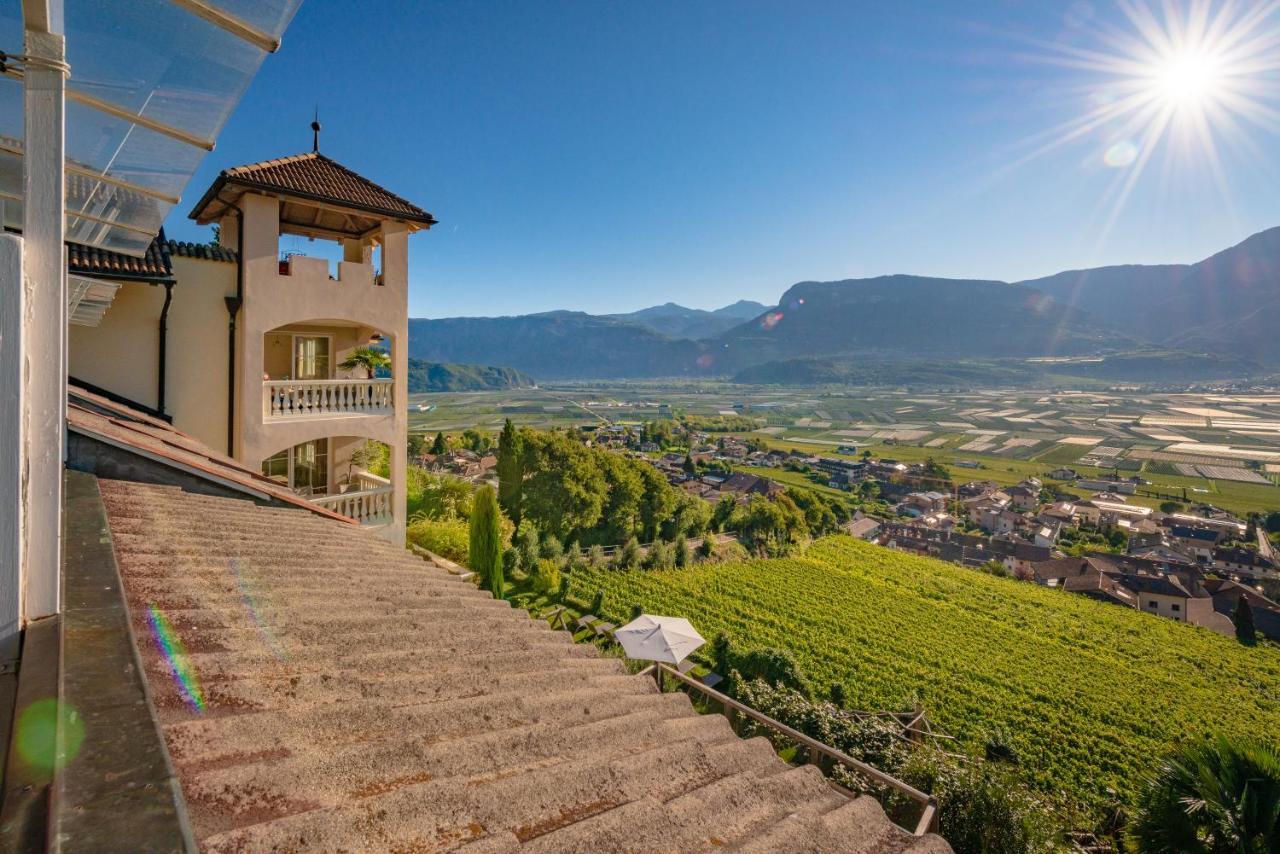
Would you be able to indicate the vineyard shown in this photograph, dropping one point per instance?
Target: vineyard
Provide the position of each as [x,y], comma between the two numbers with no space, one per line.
[1091,695]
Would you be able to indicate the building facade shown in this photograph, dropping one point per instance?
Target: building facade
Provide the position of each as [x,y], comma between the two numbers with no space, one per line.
[243,345]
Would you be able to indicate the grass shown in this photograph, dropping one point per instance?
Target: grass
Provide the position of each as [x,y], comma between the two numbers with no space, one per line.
[1092,694]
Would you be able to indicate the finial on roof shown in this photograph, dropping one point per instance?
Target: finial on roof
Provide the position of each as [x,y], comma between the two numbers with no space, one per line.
[315,131]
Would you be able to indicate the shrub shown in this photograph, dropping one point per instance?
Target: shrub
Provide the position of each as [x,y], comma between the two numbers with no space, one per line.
[563,592]
[510,562]
[777,667]
[546,576]
[629,556]
[1215,795]
[597,602]
[721,652]
[981,808]
[527,543]
[659,556]
[446,537]
[595,555]
[681,556]
[838,695]
[707,548]
[551,548]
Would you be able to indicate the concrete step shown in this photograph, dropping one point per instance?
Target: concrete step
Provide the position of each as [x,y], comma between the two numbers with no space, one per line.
[448,765]
[861,826]
[198,744]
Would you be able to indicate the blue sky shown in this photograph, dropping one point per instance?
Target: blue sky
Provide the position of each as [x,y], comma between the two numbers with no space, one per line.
[606,156]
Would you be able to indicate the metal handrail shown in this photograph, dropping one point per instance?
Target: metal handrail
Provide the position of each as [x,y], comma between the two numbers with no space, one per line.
[928,815]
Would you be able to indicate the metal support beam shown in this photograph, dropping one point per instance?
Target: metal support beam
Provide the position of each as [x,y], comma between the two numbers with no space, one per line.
[44,319]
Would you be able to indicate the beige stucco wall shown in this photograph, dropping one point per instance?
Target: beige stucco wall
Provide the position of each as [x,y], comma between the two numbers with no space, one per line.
[197,381]
[122,353]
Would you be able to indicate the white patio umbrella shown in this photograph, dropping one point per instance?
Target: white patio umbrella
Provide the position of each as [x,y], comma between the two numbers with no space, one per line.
[652,638]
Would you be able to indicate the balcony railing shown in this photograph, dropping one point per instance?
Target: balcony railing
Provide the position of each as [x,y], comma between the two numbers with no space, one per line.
[309,398]
[370,504]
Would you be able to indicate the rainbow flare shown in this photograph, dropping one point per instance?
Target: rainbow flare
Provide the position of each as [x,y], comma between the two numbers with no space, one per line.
[251,605]
[175,653]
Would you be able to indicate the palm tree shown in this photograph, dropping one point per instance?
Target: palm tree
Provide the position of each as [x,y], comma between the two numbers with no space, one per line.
[368,358]
[1214,796]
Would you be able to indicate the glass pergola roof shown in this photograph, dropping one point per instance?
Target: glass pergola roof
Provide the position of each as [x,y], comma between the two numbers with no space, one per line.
[152,83]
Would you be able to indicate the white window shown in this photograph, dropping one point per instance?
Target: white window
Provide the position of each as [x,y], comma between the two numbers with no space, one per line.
[303,468]
[311,357]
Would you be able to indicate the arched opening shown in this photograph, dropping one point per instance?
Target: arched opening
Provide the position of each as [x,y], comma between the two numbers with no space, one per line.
[326,368]
[347,474]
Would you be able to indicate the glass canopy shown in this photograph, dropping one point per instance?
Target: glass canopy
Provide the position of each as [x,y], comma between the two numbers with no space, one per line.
[152,83]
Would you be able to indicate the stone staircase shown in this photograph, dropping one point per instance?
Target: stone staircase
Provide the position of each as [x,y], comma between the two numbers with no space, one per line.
[342,694]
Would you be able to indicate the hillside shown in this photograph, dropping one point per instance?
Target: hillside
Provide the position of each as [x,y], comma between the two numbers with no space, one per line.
[1191,322]
[1229,301]
[676,321]
[439,376]
[915,315]
[554,345]
[1091,695]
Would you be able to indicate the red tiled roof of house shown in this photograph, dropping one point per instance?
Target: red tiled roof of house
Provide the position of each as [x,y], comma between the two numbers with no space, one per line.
[314,176]
[92,261]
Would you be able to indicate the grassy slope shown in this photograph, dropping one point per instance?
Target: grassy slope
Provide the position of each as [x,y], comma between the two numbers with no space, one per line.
[1092,694]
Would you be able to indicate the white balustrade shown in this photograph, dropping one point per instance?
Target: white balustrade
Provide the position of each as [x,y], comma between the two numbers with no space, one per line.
[303,398]
[366,506]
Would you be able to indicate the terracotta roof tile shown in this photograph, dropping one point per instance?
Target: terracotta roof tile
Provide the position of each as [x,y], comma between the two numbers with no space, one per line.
[92,261]
[315,176]
[204,251]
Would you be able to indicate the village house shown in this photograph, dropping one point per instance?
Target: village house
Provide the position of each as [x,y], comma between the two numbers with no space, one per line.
[1242,560]
[1197,542]
[922,503]
[1226,595]
[1023,496]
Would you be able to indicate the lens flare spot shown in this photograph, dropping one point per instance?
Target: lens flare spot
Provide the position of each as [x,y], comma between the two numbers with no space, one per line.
[1120,155]
[251,604]
[706,360]
[770,320]
[36,734]
[175,655]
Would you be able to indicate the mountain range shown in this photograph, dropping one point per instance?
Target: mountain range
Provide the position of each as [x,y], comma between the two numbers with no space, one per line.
[1218,318]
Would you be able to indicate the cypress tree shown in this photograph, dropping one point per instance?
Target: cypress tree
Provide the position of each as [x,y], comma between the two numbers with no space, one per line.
[683,556]
[510,471]
[485,554]
[1243,619]
[439,446]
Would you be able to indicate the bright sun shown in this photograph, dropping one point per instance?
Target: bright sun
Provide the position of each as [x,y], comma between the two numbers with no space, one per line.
[1189,79]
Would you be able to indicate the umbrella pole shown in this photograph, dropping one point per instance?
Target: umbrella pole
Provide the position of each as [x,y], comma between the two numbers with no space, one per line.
[657,675]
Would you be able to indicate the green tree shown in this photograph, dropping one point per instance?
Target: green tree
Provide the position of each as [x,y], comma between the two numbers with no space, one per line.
[1171,507]
[474,440]
[626,489]
[565,490]
[721,653]
[597,602]
[485,552]
[1246,632]
[707,548]
[367,359]
[659,556]
[510,471]
[440,445]
[552,549]
[415,445]
[1251,529]
[657,503]
[1212,797]
[838,695]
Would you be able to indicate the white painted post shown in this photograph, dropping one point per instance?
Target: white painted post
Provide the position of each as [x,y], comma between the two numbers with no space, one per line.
[44,334]
[11,418]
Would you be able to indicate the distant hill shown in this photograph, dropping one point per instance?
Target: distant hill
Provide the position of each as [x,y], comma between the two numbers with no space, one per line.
[439,376]
[1229,302]
[1217,319]
[916,316]
[676,321]
[555,345]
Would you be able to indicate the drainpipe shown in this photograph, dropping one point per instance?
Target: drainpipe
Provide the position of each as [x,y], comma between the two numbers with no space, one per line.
[164,339]
[233,308]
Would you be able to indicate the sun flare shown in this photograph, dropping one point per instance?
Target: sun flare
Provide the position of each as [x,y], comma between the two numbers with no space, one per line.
[1190,79]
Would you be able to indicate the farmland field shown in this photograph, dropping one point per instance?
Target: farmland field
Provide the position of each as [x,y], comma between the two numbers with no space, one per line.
[1092,695]
[1008,433]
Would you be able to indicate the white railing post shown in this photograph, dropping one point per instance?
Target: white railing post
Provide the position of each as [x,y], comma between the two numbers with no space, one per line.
[295,398]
